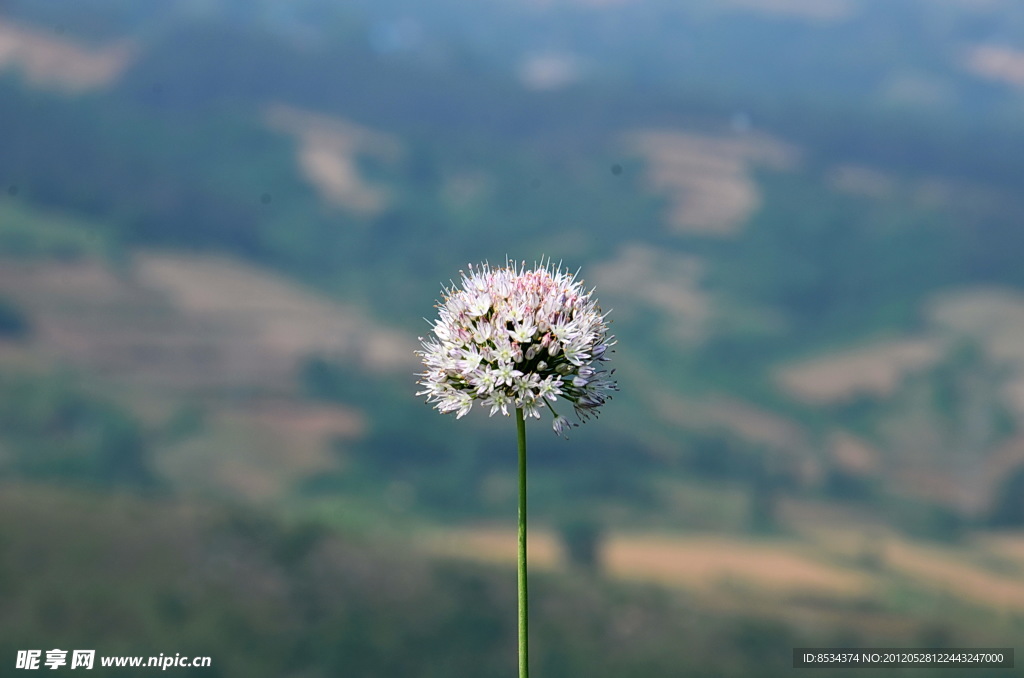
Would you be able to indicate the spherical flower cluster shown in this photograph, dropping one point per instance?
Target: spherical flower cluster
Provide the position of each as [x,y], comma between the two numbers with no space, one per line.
[512,337]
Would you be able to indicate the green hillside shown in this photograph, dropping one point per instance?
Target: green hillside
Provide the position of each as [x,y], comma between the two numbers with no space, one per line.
[221,229]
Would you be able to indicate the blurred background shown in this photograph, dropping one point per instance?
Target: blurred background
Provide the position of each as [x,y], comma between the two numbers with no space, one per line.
[223,222]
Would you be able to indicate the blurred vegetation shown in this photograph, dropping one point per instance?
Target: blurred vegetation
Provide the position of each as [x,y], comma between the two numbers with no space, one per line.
[263,598]
[451,473]
[583,541]
[51,429]
[31,234]
[177,154]
[14,324]
[1008,508]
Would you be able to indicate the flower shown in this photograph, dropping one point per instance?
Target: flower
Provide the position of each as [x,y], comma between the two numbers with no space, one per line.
[520,337]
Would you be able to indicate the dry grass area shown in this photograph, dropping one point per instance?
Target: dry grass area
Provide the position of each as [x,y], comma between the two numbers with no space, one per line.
[700,563]
[497,545]
[714,561]
[328,153]
[877,370]
[996,62]
[754,423]
[853,455]
[179,328]
[84,315]
[923,459]
[747,421]
[668,283]
[948,570]
[191,323]
[277,318]
[56,63]
[986,571]
[707,179]
[714,413]
[1008,544]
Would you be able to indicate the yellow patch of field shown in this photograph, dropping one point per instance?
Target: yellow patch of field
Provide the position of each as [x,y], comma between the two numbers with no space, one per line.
[962,571]
[1008,544]
[56,63]
[996,62]
[707,179]
[705,562]
[877,370]
[497,545]
[328,153]
[946,569]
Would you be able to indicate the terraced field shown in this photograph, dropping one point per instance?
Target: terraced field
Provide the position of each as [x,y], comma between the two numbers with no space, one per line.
[174,331]
[850,564]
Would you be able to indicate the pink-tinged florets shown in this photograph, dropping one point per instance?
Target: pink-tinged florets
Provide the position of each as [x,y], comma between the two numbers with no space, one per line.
[521,338]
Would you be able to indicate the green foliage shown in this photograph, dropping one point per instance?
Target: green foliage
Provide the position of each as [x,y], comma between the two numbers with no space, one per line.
[844,485]
[762,512]
[13,321]
[186,421]
[928,519]
[178,153]
[31,234]
[1008,506]
[53,430]
[448,470]
[582,539]
[834,264]
[718,455]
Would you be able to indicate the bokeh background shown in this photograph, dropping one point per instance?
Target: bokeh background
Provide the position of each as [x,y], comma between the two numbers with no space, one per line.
[223,222]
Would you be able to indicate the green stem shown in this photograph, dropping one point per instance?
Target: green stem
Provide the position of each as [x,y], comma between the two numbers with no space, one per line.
[524,670]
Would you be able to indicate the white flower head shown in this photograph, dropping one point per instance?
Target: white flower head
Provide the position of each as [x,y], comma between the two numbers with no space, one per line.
[521,337]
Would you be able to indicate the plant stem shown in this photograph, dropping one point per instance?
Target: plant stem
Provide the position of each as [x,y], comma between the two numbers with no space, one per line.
[524,669]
